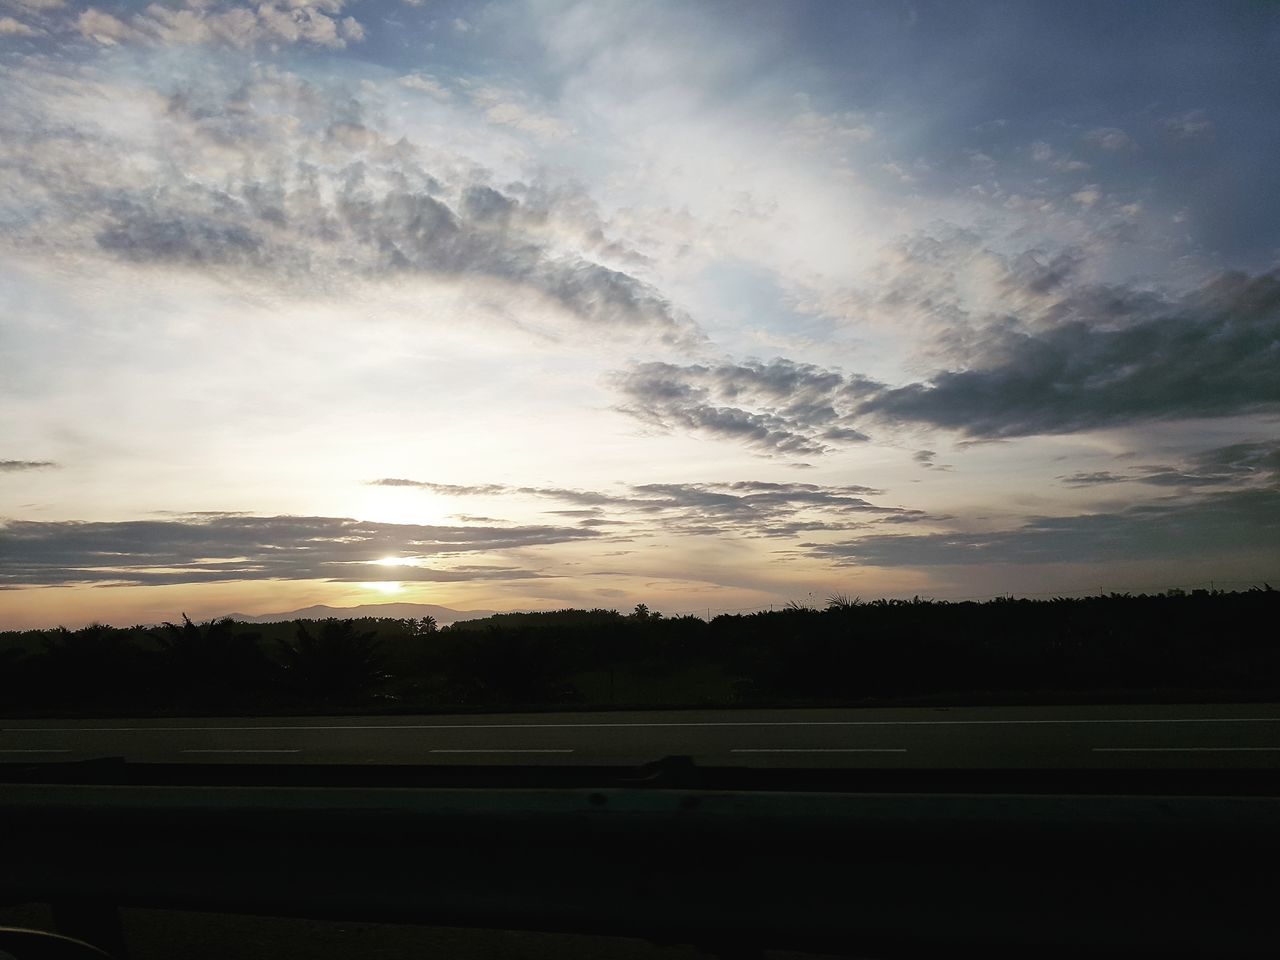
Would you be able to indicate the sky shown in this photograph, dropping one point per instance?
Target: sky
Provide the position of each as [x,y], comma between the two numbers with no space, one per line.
[711,306]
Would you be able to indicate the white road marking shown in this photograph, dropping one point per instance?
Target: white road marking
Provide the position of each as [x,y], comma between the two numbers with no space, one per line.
[35,751]
[819,750]
[1182,749]
[500,751]
[643,724]
[240,751]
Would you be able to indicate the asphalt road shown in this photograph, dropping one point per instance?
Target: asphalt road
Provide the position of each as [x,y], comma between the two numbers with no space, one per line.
[1098,737]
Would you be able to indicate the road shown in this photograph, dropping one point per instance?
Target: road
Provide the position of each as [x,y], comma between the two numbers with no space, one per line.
[1057,737]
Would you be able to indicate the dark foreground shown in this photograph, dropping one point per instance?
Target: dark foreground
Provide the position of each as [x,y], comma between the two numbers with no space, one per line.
[731,859]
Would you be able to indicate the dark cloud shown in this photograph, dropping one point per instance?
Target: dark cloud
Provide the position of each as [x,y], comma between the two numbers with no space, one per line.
[1082,357]
[1213,353]
[780,407]
[399,231]
[234,547]
[144,237]
[13,466]
[1219,524]
[1239,463]
[315,203]
[1096,478]
[910,516]
[1039,276]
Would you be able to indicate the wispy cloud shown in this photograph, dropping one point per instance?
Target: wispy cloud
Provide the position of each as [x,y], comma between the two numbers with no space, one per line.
[1236,464]
[13,466]
[751,508]
[1212,526]
[218,547]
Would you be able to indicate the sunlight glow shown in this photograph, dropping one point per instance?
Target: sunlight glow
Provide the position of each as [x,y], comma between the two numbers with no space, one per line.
[384,586]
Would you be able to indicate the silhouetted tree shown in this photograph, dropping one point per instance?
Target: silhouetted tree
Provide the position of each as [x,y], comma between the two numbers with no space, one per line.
[91,667]
[217,662]
[339,663]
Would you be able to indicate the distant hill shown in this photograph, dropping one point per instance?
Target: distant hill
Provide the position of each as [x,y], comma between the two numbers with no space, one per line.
[396,611]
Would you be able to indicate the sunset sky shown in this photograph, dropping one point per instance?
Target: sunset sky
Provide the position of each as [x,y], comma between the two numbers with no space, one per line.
[707,305]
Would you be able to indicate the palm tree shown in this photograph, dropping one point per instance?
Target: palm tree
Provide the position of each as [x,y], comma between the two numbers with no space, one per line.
[337,664]
[214,661]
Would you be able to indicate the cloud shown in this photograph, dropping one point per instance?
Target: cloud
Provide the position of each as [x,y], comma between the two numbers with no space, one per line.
[511,108]
[1219,524]
[1236,464]
[13,466]
[1212,353]
[145,236]
[237,25]
[223,547]
[778,408]
[1087,196]
[447,489]
[1041,152]
[1110,139]
[104,28]
[9,27]
[753,508]
[1192,125]
[1095,478]
[425,83]
[230,190]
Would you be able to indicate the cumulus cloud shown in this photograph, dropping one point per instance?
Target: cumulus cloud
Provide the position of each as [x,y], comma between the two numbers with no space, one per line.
[1218,524]
[1087,196]
[16,28]
[1212,353]
[104,28]
[778,408]
[222,547]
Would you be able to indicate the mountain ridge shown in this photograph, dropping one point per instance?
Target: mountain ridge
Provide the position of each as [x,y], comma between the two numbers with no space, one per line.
[396,611]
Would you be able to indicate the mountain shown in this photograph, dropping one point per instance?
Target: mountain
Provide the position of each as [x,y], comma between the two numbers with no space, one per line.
[396,611]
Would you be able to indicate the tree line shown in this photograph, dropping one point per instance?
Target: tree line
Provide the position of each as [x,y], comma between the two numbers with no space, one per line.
[1174,646]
